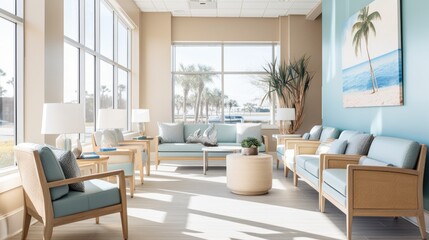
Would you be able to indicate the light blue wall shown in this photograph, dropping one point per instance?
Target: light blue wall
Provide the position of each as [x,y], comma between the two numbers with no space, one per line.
[409,121]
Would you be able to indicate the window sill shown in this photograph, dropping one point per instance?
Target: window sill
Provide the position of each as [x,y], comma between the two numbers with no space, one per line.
[9,179]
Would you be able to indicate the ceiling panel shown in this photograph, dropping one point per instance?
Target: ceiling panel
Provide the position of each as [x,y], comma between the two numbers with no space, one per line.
[231,8]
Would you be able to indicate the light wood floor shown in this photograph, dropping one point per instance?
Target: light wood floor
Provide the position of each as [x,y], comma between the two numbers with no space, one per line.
[179,202]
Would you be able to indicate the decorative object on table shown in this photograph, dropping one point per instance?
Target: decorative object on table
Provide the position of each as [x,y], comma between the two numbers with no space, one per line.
[285,116]
[371,56]
[63,118]
[77,148]
[290,82]
[89,155]
[140,116]
[250,146]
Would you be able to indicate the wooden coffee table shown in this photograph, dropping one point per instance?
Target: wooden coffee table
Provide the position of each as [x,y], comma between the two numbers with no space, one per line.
[206,151]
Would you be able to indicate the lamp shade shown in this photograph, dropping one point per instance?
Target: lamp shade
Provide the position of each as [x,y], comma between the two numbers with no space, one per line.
[60,118]
[140,115]
[112,118]
[285,114]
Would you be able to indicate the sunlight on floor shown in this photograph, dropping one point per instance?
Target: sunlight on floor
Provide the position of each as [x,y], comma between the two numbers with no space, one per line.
[285,217]
[215,228]
[147,214]
[155,196]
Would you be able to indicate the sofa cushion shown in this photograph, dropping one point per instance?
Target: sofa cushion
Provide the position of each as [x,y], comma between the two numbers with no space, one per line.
[306,136]
[347,134]
[245,130]
[329,132]
[189,129]
[359,144]
[226,133]
[69,166]
[97,194]
[310,163]
[372,162]
[337,179]
[324,146]
[180,147]
[280,149]
[338,147]
[171,132]
[52,170]
[315,132]
[398,152]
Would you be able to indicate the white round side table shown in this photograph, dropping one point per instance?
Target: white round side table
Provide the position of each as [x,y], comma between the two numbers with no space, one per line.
[249,175]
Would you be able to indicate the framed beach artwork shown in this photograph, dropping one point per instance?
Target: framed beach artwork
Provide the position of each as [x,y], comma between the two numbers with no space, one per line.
[372,57]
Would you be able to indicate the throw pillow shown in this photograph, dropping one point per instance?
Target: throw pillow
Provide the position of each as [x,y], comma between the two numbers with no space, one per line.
[53,171]
[108,139]
[171,132]
[208,138]
[324,146]
[245,130]
[306,136]
[338,147]
[315,132]
[119,135]
[359,144]
[70,168]
[195,137]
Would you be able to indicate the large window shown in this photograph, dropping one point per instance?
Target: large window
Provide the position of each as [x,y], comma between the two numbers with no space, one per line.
[96,58]
[222,82]
[11,72]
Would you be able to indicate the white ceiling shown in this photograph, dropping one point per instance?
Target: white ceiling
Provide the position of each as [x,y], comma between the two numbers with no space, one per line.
[231,8]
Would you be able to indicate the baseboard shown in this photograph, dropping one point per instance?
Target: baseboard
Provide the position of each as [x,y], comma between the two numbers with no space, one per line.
[413,220]
[11,223]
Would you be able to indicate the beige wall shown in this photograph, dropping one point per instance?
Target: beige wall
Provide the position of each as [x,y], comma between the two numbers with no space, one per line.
[155,85]
[305,37]
[201,29]
[296,36]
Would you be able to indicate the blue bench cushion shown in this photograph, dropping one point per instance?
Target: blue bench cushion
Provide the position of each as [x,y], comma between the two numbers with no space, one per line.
[398,152]
[315,132]
[127,167]
[97,194]
[281,149]
[309,163]
[337,179]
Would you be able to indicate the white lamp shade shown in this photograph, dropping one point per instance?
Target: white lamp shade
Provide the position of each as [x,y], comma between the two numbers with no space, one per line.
[140,115]
[285,114]
[112,118]
[60,118]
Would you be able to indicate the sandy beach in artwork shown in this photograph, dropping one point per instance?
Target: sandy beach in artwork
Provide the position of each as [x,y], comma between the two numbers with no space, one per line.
[388,96]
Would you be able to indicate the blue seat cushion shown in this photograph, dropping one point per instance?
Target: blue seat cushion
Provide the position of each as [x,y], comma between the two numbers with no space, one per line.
[97,194]
[281,149]
[127,167]
[310,163]
[180,147]
[337,179]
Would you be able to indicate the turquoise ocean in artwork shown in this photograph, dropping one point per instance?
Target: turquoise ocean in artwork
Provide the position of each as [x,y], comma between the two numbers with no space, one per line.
[387,68]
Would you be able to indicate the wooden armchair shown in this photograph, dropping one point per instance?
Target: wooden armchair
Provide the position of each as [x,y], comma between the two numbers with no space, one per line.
[72,206]
[388,182]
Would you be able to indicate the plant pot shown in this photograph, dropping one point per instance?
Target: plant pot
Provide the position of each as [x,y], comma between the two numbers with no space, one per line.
[249,151]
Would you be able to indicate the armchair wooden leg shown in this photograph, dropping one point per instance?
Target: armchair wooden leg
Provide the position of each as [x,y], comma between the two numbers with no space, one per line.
[141,175]
[322,201]
[97,220]
[295,179]
[124,222]
[278,162]
[47,232]
[422,225]
[26,224]
[349,226]
[286,171]
[132,186]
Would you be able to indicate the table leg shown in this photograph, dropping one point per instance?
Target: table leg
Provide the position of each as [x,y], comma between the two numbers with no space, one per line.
[148,158]
[205,161]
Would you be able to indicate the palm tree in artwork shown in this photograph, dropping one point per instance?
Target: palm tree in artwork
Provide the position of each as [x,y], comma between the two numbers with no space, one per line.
[361,29]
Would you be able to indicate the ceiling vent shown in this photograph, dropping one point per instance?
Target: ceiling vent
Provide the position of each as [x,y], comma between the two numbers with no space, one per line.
[202,4]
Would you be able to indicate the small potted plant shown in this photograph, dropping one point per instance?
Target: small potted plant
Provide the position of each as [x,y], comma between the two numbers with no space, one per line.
[250,146]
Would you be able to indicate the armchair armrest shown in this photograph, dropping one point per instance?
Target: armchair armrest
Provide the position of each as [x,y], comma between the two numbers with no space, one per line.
[302,147]
[282,140]
[337,160]
[119,173]
[387,188]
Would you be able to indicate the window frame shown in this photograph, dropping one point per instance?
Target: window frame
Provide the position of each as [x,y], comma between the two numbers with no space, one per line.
[19,74]
[96,52]
[222,71]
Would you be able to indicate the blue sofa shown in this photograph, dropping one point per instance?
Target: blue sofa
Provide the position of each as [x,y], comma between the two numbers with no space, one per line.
[226,136]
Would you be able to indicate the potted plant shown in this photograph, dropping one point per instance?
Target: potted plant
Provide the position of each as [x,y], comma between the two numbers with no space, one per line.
[290,82]
[250,146]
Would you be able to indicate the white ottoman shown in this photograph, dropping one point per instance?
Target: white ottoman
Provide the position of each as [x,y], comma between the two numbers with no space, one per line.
[249,175]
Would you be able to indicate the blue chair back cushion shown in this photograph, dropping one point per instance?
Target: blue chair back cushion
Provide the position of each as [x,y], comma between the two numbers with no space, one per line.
[315,132]
[329,132]
[226,133]
[397,152]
